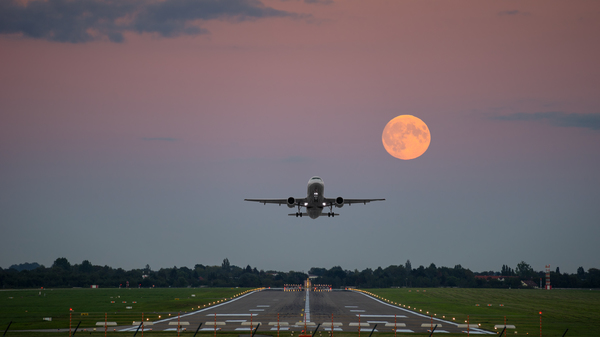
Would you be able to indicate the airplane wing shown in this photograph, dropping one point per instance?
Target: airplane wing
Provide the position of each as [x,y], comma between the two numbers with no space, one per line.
[278,201]
[332,201]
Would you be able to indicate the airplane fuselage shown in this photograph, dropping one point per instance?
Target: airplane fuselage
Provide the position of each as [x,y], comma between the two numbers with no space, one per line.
[315,197]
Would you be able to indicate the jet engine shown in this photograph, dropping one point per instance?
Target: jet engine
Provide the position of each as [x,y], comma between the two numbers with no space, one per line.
[291,202]
[339,202]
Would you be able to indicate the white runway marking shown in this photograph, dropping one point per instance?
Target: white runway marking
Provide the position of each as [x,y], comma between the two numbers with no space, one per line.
[235,320]
[257,309]
[352,306]
[334,329]
[242,329]
[421,315]
[377,322]
[201,310]
[357,311]
[404,330]
[307,307]
[439,331]
[383,316]
[244,315]
[263,306]
[280,328]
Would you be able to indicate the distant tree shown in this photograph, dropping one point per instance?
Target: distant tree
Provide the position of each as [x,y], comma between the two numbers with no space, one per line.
[558,270]
[86,267]
[62,263]
[507,271]
[524,270]
[408,266]
[24,266]
[225,265]
[581,273]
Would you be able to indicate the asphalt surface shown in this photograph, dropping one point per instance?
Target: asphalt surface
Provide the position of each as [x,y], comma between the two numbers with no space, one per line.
[347,310]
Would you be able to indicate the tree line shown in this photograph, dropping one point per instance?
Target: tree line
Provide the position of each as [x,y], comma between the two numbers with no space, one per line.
[63,274]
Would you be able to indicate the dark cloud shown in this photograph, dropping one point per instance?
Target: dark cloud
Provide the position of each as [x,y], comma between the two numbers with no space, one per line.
[557,118]
[78,21]
[163,139]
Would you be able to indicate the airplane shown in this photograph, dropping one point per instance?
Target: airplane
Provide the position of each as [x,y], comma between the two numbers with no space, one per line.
[314,202]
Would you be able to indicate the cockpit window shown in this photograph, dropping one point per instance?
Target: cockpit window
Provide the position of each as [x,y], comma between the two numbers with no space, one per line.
[315,178]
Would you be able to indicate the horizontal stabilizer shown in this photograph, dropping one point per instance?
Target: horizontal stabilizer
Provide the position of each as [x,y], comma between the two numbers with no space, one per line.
[294,214]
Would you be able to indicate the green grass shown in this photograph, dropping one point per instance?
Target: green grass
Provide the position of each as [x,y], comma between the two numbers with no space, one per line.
[27,308]
[575,309]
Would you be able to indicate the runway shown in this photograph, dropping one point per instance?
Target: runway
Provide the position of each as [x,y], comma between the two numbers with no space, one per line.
[276,309]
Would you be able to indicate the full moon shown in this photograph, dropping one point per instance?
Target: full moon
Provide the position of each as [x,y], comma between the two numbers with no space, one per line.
[406,137]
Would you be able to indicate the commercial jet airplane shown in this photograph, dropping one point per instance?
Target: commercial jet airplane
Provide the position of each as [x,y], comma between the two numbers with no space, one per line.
[314,202]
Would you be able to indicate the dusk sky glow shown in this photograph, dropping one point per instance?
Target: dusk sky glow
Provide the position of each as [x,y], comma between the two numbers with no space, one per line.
[131,132]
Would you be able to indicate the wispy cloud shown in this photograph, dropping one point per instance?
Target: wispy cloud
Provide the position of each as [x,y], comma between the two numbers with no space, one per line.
[162,139]
[79,21]
[557,118]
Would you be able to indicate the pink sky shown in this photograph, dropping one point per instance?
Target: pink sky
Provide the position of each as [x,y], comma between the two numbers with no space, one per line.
[261,105]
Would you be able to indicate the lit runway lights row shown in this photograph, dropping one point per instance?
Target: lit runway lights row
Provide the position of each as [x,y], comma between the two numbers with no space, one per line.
[227,299]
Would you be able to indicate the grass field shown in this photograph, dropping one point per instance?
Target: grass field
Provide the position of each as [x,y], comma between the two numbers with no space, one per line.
[27,308]
[574,309]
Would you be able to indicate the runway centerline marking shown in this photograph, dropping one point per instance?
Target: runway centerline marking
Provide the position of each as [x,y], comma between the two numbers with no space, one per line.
[307,307]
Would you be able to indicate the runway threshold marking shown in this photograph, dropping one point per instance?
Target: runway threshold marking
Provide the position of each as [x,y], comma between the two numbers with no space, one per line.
[241,315]
[382,316]
[209,308]
[420,315]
